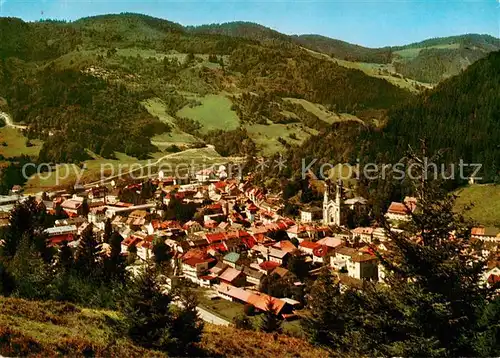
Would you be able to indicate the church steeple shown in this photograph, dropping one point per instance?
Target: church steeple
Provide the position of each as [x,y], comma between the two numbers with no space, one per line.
[338,196]
[325,194]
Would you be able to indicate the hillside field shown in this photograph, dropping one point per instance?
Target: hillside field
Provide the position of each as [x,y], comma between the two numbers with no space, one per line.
[13,143]
[213,113]
[486,203]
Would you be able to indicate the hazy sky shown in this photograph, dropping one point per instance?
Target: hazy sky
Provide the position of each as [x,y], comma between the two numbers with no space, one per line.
[369,22]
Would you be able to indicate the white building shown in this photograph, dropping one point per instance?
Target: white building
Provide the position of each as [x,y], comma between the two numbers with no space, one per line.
[193,268]
[359,265]
[310,214]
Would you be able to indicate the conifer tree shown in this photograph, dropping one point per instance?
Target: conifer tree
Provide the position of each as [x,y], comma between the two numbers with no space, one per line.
[161,252]
[65,257]
[23,222]
[85,207]
[147,311]
[7,282]
[242,321]
[297,265]
[270,322]
[115,263]
[108,231]
[87,254]
[323,306]
[187,326]
[32,276]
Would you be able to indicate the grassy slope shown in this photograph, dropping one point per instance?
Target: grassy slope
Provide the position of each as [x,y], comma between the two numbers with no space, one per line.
[157,108]
[213,113]
[16,143]
[411,53]
[266,136]
[486,200]
[29,328]
[322,113]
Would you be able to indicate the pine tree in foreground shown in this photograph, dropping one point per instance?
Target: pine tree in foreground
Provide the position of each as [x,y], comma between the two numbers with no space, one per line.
[324,309]
[87,254]
[270,322]
[187,326]
[147,311]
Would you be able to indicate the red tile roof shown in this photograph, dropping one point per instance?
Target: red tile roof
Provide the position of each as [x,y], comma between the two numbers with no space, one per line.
[269,265]
[56,240]
[220,185]
[332,242]
[398,208]
[361,257]
[194,253]
[218,246]
[252,207]
[309,244]
[286,246]
[260,302]
[215,237]
[494,279]
[71,204]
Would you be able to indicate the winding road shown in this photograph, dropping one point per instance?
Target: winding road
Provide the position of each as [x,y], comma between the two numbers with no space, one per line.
[9,123]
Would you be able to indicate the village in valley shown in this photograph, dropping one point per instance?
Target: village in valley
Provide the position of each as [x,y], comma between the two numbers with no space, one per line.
[230,241]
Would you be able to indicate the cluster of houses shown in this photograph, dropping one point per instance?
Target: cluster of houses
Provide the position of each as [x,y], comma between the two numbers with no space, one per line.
[238,236]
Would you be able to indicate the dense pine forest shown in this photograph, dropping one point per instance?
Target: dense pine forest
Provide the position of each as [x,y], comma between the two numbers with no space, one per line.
[461,116]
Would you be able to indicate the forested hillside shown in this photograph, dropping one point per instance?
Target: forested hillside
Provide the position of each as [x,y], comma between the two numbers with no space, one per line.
[486,42]
[461,115]
[434,60]
[82,86]
[428,61]
[114,83]
[459,118]
[242,29]
[344,50]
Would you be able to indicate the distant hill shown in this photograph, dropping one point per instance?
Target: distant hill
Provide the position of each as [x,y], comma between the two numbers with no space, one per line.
[436,59]
[34,329]
[460,115]
[243,29]
[335,48]
[344,50]
[192,76]
[485,42]
[428,61]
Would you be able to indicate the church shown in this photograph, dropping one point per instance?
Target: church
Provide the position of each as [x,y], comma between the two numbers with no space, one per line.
[332,207]
[334,212]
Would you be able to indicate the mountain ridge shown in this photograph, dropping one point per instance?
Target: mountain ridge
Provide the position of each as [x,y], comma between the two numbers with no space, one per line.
[429,60]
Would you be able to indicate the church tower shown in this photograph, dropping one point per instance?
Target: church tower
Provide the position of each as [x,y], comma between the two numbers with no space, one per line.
[337,205]
[332,209]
